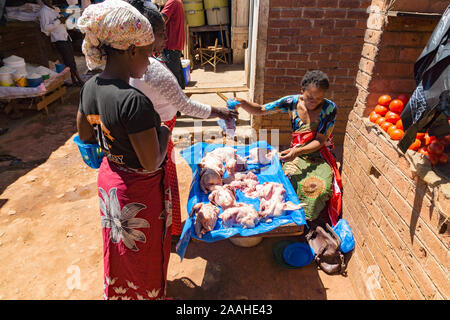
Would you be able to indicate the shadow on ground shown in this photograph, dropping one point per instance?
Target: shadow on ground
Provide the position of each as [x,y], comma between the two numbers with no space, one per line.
[32,138]
[240,273]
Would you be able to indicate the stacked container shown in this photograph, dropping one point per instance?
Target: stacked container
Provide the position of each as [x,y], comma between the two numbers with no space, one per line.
[194,13]
[217,12]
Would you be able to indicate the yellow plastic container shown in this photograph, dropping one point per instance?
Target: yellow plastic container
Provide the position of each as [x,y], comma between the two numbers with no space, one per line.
[217,16]
[209,4]
[21,82]
[193,5]
[195,18]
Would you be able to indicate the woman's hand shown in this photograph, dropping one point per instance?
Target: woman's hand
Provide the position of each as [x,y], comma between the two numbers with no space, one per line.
[223,113]
[289,154]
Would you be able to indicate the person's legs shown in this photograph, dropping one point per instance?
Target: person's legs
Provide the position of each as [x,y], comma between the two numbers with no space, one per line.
[172,59]
[66,51]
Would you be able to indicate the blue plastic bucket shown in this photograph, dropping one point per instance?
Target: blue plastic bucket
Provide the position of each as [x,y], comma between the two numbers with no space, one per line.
[60,67]
[186,65]
[92,154]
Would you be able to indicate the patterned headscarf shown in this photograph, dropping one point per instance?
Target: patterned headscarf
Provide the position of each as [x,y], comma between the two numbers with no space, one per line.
[114,23]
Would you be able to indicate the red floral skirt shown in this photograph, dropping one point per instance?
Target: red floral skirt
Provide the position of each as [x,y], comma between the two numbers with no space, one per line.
[136,226]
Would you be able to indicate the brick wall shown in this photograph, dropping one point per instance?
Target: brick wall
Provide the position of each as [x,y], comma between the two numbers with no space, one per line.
[396,211]
[304,35]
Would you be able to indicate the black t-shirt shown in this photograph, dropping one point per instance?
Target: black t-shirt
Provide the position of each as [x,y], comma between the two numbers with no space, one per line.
[115,109]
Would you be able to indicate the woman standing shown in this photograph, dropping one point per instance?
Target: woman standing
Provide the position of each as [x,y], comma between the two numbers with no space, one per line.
[131,179]
[161,87]
[309,163]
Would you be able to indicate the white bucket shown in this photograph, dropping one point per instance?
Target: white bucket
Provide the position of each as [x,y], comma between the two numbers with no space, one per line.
[16,63]
[6,77]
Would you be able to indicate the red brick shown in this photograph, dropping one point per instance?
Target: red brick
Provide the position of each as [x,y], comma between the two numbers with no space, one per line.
[301,22]
[277,56]
[403,39]
[275,72]
[281,3]
[402,207]
[335,13]
[327,3]
[286,64]
[349,4]
[344,23]
[289,48]
[290,12]
[357,14]
[426,286]
[395,262]
[313,13]
[279,23]
[409,54]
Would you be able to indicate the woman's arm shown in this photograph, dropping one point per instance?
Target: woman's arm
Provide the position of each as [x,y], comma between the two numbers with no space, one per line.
[85,130]
[316,144]
[161,87]
[151,146]
[251,107]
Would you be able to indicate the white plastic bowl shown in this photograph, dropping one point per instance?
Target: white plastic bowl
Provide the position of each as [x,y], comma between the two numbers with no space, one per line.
[246,242]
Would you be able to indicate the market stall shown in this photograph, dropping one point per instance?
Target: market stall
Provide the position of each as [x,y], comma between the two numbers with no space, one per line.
[286,217]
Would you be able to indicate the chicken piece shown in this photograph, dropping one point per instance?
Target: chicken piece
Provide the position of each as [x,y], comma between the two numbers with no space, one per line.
[206,218]
[241,215]
[260,156]
[236,164]
[224,197]
[212,162]
[275,209]
[272,200]
[223,154]
[247,183]
[209,178]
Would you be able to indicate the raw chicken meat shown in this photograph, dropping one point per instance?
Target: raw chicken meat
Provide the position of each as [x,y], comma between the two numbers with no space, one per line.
[246,182]
[209,178]
[261,156]
[206,217]
[224,197]
[212,168]
[241,215]
[272,200]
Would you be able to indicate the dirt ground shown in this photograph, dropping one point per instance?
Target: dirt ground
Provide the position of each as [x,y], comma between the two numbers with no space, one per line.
[50,233]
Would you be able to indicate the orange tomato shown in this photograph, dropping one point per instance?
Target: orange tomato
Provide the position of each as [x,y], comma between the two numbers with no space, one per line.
[374,116]
[386,125]
[396,106]
[420,135]
[429,139]
[415,145]
[396,134]
[404,98]
[436,148]
[399,124]
[392,117]
[390,129]
[423,150]
[380,121]
[443,158]
[384,100]
[434,159]
[381,110]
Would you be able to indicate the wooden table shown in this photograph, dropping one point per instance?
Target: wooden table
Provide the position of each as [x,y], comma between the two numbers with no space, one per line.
[225,28]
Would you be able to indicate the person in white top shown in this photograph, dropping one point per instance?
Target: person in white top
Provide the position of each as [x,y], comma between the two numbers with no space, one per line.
[162,88]
[54,26]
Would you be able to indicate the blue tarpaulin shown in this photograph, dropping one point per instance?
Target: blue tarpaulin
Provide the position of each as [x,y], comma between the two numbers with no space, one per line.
[266,173]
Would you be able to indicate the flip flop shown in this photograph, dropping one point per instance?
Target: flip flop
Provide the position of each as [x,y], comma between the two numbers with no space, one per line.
[278,250]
